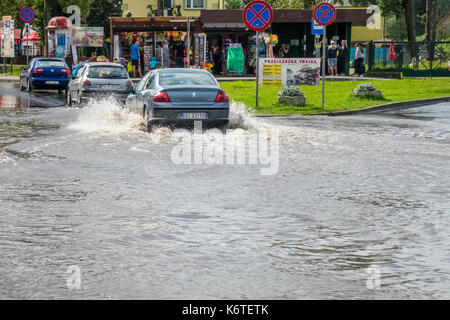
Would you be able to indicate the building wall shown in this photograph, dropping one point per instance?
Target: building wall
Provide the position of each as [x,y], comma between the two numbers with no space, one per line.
[374,31]
[138,8]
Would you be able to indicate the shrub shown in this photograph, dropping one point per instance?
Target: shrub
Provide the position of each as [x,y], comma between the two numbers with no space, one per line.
[290,92]
[364,87]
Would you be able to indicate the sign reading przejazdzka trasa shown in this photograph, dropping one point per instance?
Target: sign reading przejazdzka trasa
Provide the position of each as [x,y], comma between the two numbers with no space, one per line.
[289,71]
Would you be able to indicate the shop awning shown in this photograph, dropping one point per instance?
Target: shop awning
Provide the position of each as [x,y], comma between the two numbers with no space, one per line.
[224,25]
[121,24]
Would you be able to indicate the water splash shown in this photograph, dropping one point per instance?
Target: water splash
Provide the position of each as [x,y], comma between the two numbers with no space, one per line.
[107,116]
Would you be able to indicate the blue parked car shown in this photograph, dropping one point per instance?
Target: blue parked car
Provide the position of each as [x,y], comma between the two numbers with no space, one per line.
[45,73]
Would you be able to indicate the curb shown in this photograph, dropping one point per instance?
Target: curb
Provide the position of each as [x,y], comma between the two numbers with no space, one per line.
[386,107]
[375,109]
[9,79]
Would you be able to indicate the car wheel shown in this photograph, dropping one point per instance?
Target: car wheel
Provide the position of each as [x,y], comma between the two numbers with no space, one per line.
[29,87]
[224,128]
[149,127]
[79,99]
[69,99]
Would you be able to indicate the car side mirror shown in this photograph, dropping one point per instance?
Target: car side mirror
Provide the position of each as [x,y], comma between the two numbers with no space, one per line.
[22,68]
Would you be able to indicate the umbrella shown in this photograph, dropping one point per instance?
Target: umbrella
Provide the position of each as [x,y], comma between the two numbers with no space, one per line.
[31,37]
[392,52]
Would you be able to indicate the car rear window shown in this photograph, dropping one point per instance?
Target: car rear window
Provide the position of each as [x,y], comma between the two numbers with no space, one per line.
[50,64]
[185,78]
[107,72]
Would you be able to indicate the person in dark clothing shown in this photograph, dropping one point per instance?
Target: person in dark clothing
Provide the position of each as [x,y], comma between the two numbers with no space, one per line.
[342,57]
[69,61]
[179,54]
[360,68]
[217,55]
[332,59]
[283,52]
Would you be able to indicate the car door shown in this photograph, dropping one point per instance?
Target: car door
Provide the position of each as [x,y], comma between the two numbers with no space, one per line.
[25,73]
[75,83]
[134,101]
[141,96]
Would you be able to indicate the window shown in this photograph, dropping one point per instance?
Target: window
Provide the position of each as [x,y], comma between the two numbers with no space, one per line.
[167,4]
[149,84]
[141,83]
[186,79]
[195,4]
[50,64]
[107,72]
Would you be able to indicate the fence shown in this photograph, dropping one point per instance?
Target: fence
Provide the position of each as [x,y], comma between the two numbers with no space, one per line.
[411,59]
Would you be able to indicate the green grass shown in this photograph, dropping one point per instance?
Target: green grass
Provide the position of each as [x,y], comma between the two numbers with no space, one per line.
[16,70]
[337,94]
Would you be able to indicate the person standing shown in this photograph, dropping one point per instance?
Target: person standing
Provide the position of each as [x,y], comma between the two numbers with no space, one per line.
[283,52]
[342,57]
[332,59]
[217,58]
[359,61]
[135,58]
[179,54]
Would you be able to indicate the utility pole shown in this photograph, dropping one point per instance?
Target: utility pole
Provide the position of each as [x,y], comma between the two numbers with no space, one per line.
[45,31]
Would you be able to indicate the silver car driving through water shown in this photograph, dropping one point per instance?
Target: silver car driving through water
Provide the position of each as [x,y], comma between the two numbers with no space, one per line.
[178,97]
[97,79]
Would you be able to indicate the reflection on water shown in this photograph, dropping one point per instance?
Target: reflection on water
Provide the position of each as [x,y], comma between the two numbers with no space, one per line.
[89,187]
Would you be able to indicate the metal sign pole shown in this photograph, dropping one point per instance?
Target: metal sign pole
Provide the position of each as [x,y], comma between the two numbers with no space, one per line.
[27,28]
[257,65]
[324,45]
[188,39]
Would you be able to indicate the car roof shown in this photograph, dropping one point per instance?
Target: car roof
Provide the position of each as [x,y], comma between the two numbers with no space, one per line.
[184,70]
[104,64]
[48,58]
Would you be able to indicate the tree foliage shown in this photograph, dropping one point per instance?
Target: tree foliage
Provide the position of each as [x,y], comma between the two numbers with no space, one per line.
[98,17]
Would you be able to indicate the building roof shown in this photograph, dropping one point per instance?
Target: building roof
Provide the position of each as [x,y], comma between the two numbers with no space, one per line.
[153,23]
[357,16]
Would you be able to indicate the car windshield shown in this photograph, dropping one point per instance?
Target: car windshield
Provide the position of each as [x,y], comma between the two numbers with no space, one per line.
[107,72]
[50,64]
[185,78]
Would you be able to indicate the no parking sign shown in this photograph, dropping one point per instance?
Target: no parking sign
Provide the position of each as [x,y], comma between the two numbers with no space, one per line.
[257,15]
[27,15]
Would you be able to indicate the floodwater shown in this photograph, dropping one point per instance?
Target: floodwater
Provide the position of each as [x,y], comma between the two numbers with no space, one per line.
[358,208]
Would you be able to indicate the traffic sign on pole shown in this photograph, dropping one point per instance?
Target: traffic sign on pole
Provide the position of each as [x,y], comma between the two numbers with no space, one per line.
[257,15]
[27,14]
[324,13]
[315,27]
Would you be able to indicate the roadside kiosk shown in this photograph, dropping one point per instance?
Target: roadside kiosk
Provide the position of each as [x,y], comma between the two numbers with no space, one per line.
[59,34]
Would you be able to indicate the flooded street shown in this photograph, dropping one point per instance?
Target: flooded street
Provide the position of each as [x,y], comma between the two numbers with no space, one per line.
[355,200]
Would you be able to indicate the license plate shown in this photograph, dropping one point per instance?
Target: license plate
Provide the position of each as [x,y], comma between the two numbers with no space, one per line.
[193,115]
[109,86]
[51,82]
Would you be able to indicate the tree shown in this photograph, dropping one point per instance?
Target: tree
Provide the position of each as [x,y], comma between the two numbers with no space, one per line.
[103,10]
[234,4]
